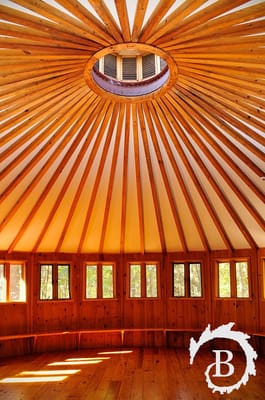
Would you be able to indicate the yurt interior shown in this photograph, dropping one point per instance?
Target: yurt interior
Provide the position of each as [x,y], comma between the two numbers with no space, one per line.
[132,199]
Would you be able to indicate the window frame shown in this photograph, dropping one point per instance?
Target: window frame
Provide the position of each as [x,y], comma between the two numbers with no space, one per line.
[55,286]
[187,280]
[143,285]
[233,280]
[99,274]
[7,265]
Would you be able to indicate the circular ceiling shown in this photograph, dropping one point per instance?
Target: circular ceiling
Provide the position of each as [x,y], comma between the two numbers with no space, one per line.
[178,168]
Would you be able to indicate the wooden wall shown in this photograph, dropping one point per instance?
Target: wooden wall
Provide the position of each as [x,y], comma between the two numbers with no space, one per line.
[124,312]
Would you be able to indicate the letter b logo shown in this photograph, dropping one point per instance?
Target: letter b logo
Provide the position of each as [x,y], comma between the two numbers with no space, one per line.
[226,362]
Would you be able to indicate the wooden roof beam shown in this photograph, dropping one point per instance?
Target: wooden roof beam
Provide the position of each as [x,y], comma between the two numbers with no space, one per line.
[187,122]
[152,179]
[113,118]
[122,12]
[111,178]
[99,116]
[141,8]
[84,128]
[160,10]
[106,16]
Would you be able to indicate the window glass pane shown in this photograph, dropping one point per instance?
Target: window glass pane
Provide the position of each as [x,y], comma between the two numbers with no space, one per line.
[151,280]
[17,284]
[107,281]
[242,286]
[91,282]
[135,280]
[110,68]
[129,68]
[148,65]
[178,280]
[224,279]
[63,282]
[2,283]
[46,282]
[195,280]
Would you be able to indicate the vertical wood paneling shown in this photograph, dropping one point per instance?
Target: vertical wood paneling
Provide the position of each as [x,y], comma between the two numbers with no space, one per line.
[126,313]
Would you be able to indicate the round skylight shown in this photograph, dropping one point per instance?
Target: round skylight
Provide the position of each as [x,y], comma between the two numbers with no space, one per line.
[130,70]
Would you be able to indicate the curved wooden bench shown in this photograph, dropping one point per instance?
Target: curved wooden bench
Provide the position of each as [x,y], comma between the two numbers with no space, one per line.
[36,342]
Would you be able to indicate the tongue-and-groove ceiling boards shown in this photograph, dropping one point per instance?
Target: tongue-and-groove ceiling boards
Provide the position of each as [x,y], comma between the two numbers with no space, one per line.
[179,169]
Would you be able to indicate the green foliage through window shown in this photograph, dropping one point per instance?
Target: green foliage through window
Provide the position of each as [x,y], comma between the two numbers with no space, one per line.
[143,280]
[233,279]
[187,281]
[224,279]
[135,280]
[178,280]
[12,282]
[99,281]
[242,287]
[54,282]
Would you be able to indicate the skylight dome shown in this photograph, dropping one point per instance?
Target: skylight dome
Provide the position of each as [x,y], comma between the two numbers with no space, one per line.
[130,70]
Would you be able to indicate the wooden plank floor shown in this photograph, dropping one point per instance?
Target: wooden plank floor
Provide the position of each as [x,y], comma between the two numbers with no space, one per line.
[140,373]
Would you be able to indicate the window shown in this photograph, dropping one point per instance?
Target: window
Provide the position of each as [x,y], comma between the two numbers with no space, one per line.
[12,282]
[54,282]
[187,280]
[233,279]
[143,280]
[99,281]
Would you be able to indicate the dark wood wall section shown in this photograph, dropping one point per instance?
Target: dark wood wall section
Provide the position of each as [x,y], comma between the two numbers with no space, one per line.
[111,317]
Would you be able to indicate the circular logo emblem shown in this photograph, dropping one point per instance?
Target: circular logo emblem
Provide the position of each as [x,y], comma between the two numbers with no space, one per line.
[225,332]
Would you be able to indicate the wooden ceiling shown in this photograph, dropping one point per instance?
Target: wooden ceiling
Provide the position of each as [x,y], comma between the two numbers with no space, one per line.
[183,170]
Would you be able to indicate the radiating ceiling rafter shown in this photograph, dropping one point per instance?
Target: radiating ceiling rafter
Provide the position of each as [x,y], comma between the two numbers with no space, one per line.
[125,189]
[139,19]
[46,94]
[211,144]
[108,19]
[55,30]
[188,123]
[206,201]
[232,22]
[54,132]
[179,169]
[151,108]
[34,114]
[118,132]
[209,111]
[163,127]
[83,124]
[199,19]
[158,13]
[37,179]
[62,20]
[152,183]
[139,187]
[123,16]
[184,9]
[97,28]
[94,120]
[91,203]
[226,116]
